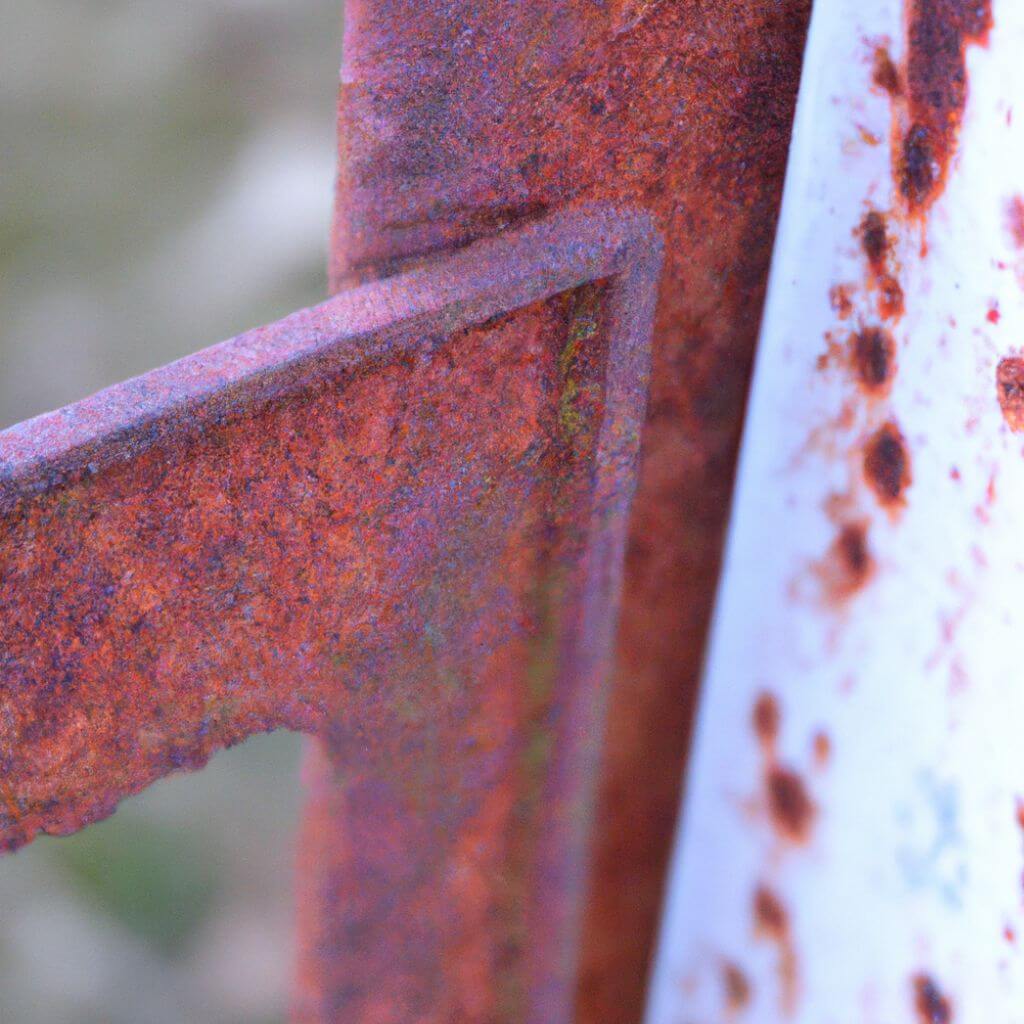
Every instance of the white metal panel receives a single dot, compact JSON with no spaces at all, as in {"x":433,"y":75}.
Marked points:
{"x":899,"y":684}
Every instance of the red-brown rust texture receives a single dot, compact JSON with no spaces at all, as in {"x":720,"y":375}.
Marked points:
{"x":930,"y":1005}
{"x":766,"y":720}
{"x":874,"y":239}
{"x":395,"y":521}
{"x":1010,"y":390}
{"x":887,"y":465}
{"x":455,"y":124}
{"x":873,"y":359}
{"x":849,"y":564}
{"x":1015,"y":220}
{"x":736,"y":986}
{"x":822,"y":749}
{"x":938,"y":34}
{"x":878,"y":246}
{"x":771,"y":922}
{"x":790,"y":807}
{"x":884,"y":72}
{"x":841,"y":300}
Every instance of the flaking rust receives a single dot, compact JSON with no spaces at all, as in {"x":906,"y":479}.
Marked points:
{"x":685,"y":109}
{"x":361,"y":522}
{"x":938,"y":35}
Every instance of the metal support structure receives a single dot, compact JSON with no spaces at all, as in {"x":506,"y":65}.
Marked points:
{"x":395,"y":521}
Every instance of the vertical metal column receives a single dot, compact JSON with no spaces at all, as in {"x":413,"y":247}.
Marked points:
{"x":457,"y":119}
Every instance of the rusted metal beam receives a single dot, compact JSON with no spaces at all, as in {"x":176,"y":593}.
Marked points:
{"x":459,"y":118}
{"x":396,"y":521}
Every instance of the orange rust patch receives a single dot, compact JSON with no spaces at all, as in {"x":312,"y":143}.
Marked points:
{"x":891,"y":301}
{"x":790,"y":807}
{"x":738,"y":990}
{"x":848,"y":565}
{"x":1015,"y":220}
{"x":769,"y":914}
{"x":766,"y":720}
{"x":887,"y":464}
{"x":822,"y":749}
{"x":874,"y":239}
{"x":13,"y":810}
{"x":931,"y":1006}
{"x":1010,"y":390}
{"x":771,"y":922}
{"x":792,"y":810}
{"x":884,"y":72}
{"x":873,"y":359}
{"x":841,"y":300}
{"x":938,"y":34}
{"x":876,"y":243}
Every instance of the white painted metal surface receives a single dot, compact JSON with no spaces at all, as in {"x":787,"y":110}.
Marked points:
{"x":896,"y":667}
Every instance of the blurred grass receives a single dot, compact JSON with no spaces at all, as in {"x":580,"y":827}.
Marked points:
{"x":139,"y":873}
{"x":165,"y":182}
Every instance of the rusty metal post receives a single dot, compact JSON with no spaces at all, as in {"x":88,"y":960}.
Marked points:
{"x":458,"y":119}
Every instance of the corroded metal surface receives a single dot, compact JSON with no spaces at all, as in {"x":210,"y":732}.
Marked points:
{"x":459,"y":118}
{"x":851,"y":843}
{"x":396,"y":521}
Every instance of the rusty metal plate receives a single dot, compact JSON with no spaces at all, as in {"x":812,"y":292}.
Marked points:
{"x":395,"y":521}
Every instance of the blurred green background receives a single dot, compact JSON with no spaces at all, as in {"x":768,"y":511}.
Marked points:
{"x":165,"y":182}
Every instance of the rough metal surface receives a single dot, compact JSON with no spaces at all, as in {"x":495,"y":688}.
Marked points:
{"x":458,"y":118}
{"x":396,"y":521}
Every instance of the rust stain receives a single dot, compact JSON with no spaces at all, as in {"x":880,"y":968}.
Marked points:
{"x":878,"y":249}
{"x":848,"y":564}
{"x":872,"y":355}
{"x":938,"y":35}
{"x":790,"y":807}
{"x":875,"y":241}
{"x":884,"y":72}
{"x":766,"y":720}
{"x":1010,"y":391}
{"x":822,"y":749}
{"x":1015,"y":220}
{"x":887,"y":465}
{"x":930,"y":1005}
{"x":680,"y":114}
{"x":771,"y":922}
{"x":983,"y":510}
{"x":840,"y":298}
{"x":737,"y":987}
{"x":891,"y":301}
